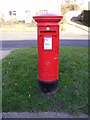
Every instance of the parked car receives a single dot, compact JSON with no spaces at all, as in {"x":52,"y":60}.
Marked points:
{"x":80,"y":17}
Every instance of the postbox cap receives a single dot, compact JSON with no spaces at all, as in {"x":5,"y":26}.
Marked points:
{"x":47,"y":18}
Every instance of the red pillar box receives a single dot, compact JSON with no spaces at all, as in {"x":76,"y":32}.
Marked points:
{"x":48,"y":51}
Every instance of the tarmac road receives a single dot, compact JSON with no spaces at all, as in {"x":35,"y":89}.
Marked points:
{"x":10,"y":45}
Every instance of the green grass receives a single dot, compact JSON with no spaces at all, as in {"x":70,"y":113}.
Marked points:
{"x":20,"y":79}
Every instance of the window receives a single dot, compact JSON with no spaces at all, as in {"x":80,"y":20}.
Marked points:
{"x":14,"y":12}
{"x":10,"y":12}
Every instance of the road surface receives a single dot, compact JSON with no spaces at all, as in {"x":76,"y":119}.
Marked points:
{"x":10,"y":45}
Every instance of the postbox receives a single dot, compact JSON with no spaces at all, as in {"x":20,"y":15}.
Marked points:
{"x":48,"y":52}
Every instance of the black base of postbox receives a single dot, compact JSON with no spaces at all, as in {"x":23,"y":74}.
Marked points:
{"x":48,"y":88}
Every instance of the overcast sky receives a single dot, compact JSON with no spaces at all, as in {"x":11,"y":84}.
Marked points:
{"x":34,"y":5}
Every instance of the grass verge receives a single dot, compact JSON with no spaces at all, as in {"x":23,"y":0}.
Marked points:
{"x":21,"y":28}
{"x":20,"y":79}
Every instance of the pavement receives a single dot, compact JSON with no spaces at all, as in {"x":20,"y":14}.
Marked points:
{"x":4,"y":53}
{"x":79,"y":25}
{"x":41,"y":115}
{"x":77,"y":35}
{"x":73,"y":33}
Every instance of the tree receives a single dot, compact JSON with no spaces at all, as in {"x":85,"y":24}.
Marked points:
{"x":41,"y":12}
{"x":68,"y":6}
{"x":68,"y":2}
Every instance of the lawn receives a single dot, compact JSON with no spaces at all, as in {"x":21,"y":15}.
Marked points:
{"x":20,"y":79}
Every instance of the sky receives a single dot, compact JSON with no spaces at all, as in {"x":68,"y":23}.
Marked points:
{"x":34,"y":5}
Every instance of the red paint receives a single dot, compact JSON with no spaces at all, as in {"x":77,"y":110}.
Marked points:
{"x":48,"y":60}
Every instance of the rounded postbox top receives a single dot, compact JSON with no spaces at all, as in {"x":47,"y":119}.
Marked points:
{"x":43,"y":18}
{"x":48,"y":14}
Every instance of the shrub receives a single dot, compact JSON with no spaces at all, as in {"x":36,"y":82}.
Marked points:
{"x":68,"y":7}
{"x":33,"y":24}
{"x":63,"y":20}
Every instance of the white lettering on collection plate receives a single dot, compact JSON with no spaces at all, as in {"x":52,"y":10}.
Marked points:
{"x":47,"y":43}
